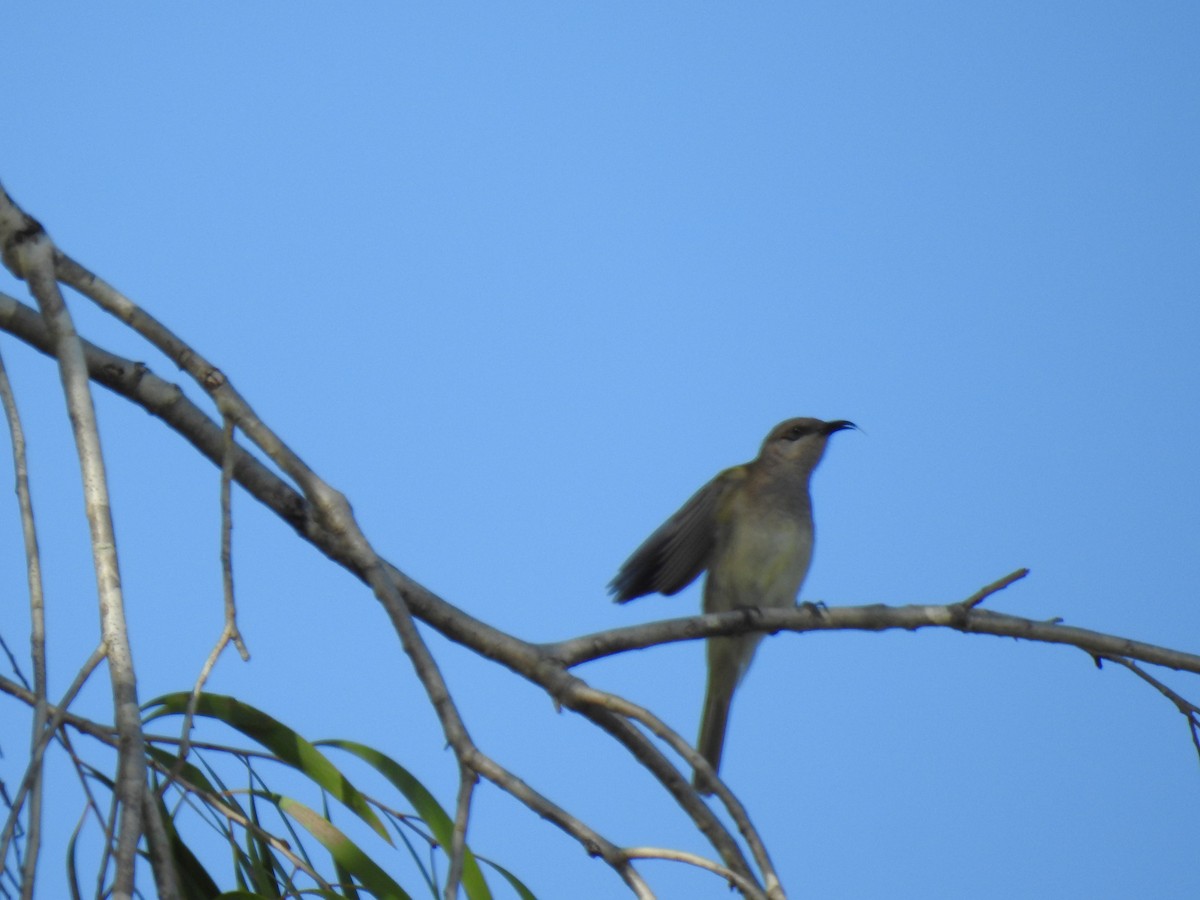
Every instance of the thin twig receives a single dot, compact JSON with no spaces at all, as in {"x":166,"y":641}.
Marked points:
{"x":1190,"y":711}
{"x":229,"y":631}
{"x":86,"y":774}
{"x":983,"y":593}
{"x":14,"y":662}
{"x":58,"y":714}
{"x":277,"y":844}
{"x":37,"y":631}
{"x":647,"y":753}
{"x":680,"y":745}
{"x":227,"y":461}
{"x":108,"y":735}
{"x":692,"y":859}
{"x":110,"y":836}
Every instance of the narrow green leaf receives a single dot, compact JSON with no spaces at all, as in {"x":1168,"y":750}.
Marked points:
{"x":259,"y":860}
{"x":196,"y":881}
{"x":345,"y":879}
{"x":72,"y":871}
{"x":516,"y":883}
{"x":428,"y":872}
{"x":345,"y":852}
{"x":285,"y":743}
{"x":427,"y":808}
{"x":189,"y":773}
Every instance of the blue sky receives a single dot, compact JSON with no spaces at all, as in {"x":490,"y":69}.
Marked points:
{"x":519,"y":278}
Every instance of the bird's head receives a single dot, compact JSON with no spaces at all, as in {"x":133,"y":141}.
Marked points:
{"x":800,"y":442}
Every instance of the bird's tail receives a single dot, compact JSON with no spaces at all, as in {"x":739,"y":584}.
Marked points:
{"x":724,"y":672}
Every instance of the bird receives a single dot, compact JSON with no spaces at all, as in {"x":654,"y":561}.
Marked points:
{"x":751,"y":527}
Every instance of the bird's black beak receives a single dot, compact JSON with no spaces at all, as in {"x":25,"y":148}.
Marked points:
{"x":839,"y":425}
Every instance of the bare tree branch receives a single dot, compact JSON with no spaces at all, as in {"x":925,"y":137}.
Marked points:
{"x":680,"y":745}
{"x":322,"y":515}
{"x":692,"y":859}
{"x":332,"y":513}
{"x":167,"y":402}
{"x":875,"y":617}
{"x":29,"y":254}
{"x":330,"y":505}
{"x":546,"y":663}
{"x":467,"y":779}
{"x":166,"y":879}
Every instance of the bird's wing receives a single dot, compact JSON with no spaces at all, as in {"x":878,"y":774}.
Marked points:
{"x":671,"y":558}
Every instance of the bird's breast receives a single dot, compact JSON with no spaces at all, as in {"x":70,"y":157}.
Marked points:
{"x":759,"y":561}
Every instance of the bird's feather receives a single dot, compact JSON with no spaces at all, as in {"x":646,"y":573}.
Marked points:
{"x":679,"y":550}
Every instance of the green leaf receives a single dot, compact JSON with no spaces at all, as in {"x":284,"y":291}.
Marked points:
{"x":427,"y":808}
{"x":196,"y":881}
{"x":285,"y":743}
{"x":345,"y":879}
{"x":188,"y":772}
{"x":516,"y":883}
{"x":72,"y":871}
{"x":258,"y":856}
{"x":346,"y":854}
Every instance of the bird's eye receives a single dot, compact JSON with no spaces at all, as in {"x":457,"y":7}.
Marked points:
{"x":796,"y":432}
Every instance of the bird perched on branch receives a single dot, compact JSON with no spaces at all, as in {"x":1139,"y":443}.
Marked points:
{"x":751,"y":527}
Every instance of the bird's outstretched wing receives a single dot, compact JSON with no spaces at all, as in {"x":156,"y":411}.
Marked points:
{"x":671,"y":558}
